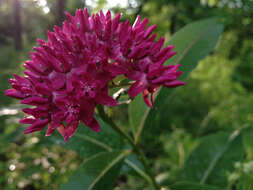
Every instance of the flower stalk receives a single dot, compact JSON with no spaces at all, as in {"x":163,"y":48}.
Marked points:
{"x":136,"y":149}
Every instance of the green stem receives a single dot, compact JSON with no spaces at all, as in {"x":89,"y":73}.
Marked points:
{"x":137,"y":150}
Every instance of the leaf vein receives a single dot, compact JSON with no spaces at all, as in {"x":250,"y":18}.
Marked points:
{"x":103,"y":172}
{"x":94,"y":141}
{"x":217,"y":157}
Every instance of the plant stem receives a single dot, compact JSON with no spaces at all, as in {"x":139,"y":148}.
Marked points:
{"x":136,"y":149}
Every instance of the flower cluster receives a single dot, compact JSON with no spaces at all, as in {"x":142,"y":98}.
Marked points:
{"x":69,"y":74}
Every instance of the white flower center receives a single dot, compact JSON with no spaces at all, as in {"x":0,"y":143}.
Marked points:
{"x":87,"y":88}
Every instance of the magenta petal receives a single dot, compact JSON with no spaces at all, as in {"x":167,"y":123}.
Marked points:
{"x":70,"y":130}
{"x":134,"y":75}
{"x":157,"y":46}
{"x":14,"y":93}
{"x":69,"y":84}
{"x":146,"y":98}
{"x":83,"y":16}
{"x":87,"y":111}
{"x":141,"y":26}
{"x":36,"y":112}
{"x":50,"y":130}
{"x":65,"y":131}
{"x":94,"y":125}
{"x":174,"y":84}
{"x":137,"y":21}
{"x":115,"y":21}
{"x":37,"y":126}
{"x":20,"y":80}
{"x":57,"y":80}
{"x":58,"y":117}
{"x":136,"y":88}
{"x":55,"y":63}
{"x":34,"y":101}
{"x":43,"y":89}
{"x":116,"y":69}
{"x":104,"y":99}
{"x":164,"y":79}
{"x":61,"y":130}
{"x":32,"y":75}
{"x":135,"y":52}
{"x":27,"y":120}
{"x":91,"y":93}
{"x":35,"y":66}
{"x":149,"y":31}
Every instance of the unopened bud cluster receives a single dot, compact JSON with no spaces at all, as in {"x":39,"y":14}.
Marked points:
{"x":69,"y":75}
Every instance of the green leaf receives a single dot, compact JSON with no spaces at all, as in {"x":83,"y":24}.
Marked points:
{"x":192,"y":186}
{"x":87,"y":142}
{"x":193,"y":42}
{"x":214,"y":157}
{"x":132,"y":165}
{"x":135,"y":111}
{"x":97,"y":172}
{"x":10,"y":134}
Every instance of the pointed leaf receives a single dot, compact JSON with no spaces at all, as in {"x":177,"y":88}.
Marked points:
{"x":97,"y":172}
{"x":193,"y":42}
{"x":135,"y":111}
{"x":215,"y":156}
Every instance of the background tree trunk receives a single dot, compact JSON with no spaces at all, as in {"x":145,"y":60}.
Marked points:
{"x":17,"y":25}
{"x":61,"y":7}
{"x":173,"y":23}
{"x":140,"y":7}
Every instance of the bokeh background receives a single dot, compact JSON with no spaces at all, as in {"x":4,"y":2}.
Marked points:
{"x":218,"y":95}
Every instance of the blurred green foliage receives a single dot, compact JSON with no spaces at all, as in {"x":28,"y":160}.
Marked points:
{"x":218,"y":95}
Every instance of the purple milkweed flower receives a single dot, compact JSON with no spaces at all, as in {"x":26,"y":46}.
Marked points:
{"x":69,"y":75}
